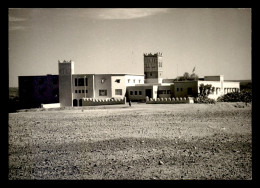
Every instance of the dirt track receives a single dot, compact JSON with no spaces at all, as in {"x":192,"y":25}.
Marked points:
{"x":182,"y":141}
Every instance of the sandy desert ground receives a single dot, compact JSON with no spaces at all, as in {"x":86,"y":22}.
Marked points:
{"x":147,"y":142}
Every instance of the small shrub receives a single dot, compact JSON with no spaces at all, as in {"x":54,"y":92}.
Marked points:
{"x":205,"y":100}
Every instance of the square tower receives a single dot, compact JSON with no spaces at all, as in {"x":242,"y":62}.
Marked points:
{"x":153,"y":64}
{"x":66,"y":69}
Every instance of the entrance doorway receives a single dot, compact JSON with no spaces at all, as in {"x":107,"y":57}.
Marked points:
{"x":75,"y":102}
{"x":148,"y":93}
{"x":80,"y":102}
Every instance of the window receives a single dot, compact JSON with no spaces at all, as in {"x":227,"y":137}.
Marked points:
{"x":86,"y":91}
{"x":181,"y":89}
{"x":79,"y":91}
{"x":76,"y":91}
{"x":139,"y":81}
{"x":140,"y":92}
{"x":86,"y":81}
{"x":151,"y":74}
{"x":81,"y":82}
{"x":102,"y":92}
{"x":118,"y":91}
{"x":117,"y":80}
{"x":131,"y":92}
{"x":128,"y":80}
{"x":189,"y":91}
{"x":76,"y":82}
{"x":177,"y":89}
{"x":161,"y":91}
{"x":135,"y":92}
{"x":168,"y":91}
{"x":102,"y":80}
{"x":134,"y":80}
{"x":83,"y":91}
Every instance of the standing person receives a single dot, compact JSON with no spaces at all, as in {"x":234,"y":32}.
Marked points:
{"x":130,"y":103}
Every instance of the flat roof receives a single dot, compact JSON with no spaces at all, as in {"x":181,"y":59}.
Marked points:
{"x":113,"y":74}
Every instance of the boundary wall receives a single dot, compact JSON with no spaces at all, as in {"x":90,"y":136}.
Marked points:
{"x":53,"y":105}
{"x":177,"y":100}
{"x":95,"y":102}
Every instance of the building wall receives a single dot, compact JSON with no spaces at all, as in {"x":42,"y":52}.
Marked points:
{"x":132,"y":80}
{"x":180,"y":89}
{"x":76,"y":88}
{"x":138,"y":93}
{"x":231,"y":87}
{"x":164,"y":92}
{"x":37,"y":90}
{"x":118,"y":83}
{"x":105,"y":85}
{"x":66,"y":69}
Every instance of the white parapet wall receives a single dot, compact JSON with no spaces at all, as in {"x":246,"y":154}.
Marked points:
{"x":177,"y":100}
{"x":53,"y":105}
{"x":95,"y":102}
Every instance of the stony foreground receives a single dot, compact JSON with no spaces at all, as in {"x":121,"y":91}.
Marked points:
{"x":183,"y":141}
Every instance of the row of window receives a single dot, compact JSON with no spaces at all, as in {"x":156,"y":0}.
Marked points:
{"x":134,"y":81}
{"x":101,"y":92}
{"x":153,"y":65}
{"x":179,"y":89}
{"x":164,"y":92}
{"x":81,"y":91}
{"x":135,"y":92}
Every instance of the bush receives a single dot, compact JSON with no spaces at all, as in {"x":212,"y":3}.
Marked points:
{"x":243,"y":96}
{"x":204,"y":99}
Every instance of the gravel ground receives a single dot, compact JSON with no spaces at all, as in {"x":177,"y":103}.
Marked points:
{"x":168,"y":142}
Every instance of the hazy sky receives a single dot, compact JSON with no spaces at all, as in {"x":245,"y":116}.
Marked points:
{"x":216,"y":41}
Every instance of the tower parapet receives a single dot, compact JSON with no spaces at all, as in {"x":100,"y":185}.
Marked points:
{"x":153,"y":55}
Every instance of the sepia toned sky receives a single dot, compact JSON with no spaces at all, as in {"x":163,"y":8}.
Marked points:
{"x":113,"y":40}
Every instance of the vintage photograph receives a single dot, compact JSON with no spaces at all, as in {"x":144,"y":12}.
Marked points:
{"x":130,"y":94}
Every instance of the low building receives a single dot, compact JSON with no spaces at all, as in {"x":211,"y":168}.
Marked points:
{"x":37,"y":90}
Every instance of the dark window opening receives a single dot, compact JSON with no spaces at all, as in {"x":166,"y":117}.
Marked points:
{"x":76,"y":82}
{"x":83,"y":91}
{"x":189,"y":90}
{"x":102,"y":92}
{"x":140,"y":92}
{"x":118,"y":91}
{"x":135,"y":92}
{"x":131,"y":92}
{"x":76,"y":91}
{"x":168,"y":91}
{"x":177,"y":89}
{"x":117,"y":80}
{"x":79,"y":91}
{"x":81,"y":82}
{"x":86,"y":81}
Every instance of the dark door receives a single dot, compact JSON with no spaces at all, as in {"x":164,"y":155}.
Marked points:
{"x":148,"y":93}
{"x":80,"y":102}
{"x":75,"y":102}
